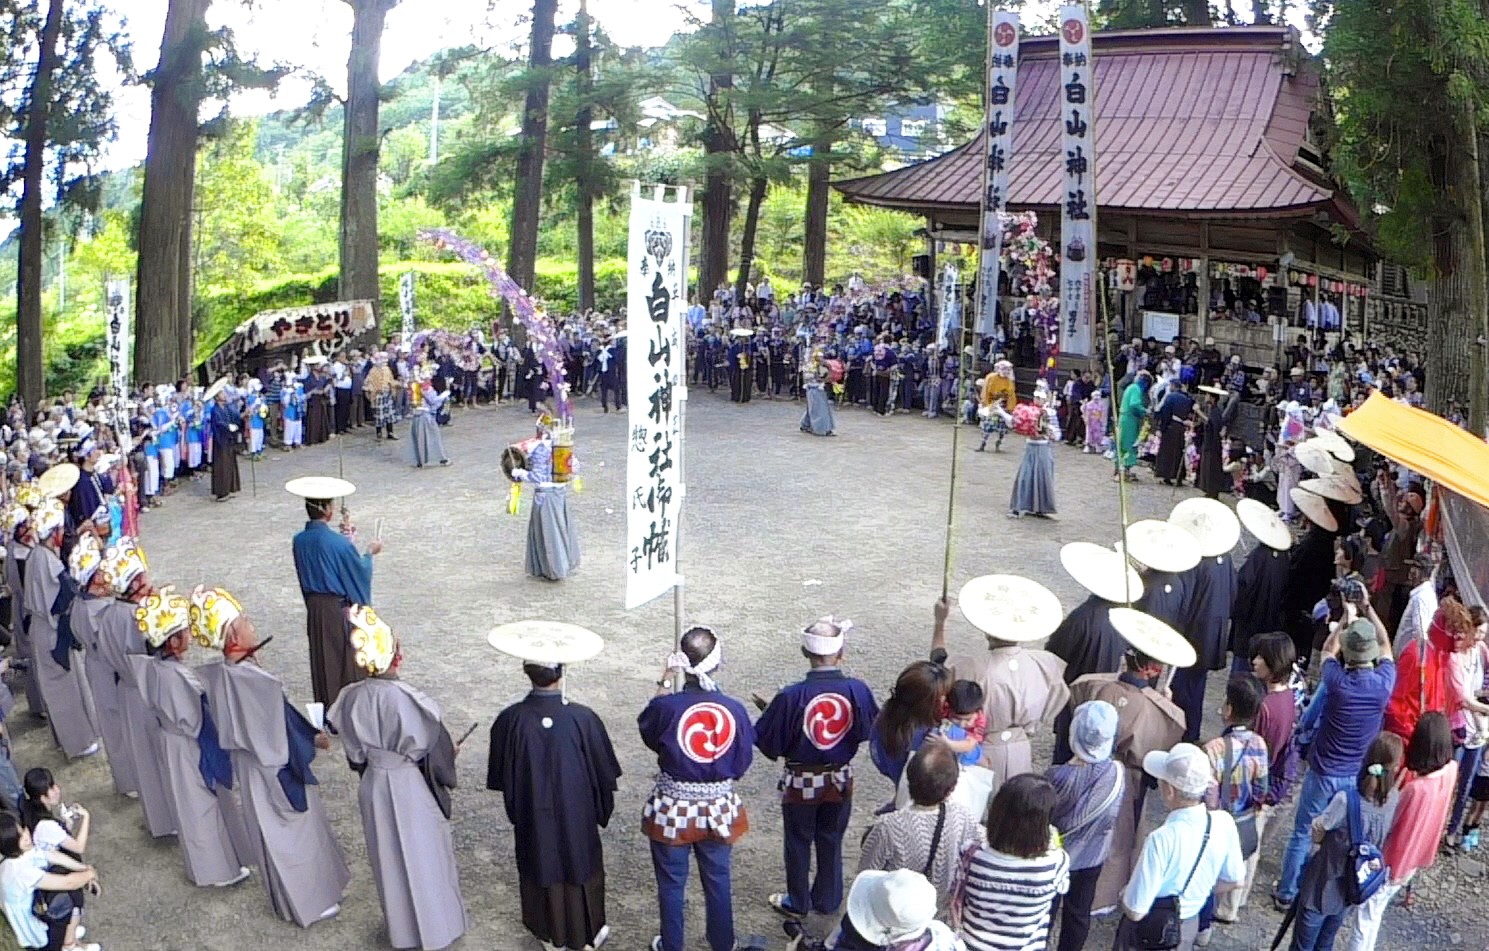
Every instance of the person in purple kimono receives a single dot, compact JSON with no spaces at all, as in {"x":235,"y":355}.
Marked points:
{"x":704,"y":742}
{"x":816,"y":726}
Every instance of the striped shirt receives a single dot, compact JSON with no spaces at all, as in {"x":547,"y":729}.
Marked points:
{"x":1006,"y":900}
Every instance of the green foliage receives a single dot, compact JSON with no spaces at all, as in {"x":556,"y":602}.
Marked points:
{"x":238,"y":228}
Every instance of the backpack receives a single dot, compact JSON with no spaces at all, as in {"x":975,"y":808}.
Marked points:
{"x":1365,"y":868}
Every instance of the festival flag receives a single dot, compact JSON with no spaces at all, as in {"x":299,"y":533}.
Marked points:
{"x":1077,"y":94}
{"x":1002,"y":76}
{"x":656,"y":304}
{"x":120,"y":352}
{"x":951,"y":304}
{"x":406,"y":304}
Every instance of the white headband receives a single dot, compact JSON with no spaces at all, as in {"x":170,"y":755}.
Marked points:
{"x":825,"y":645}
{"x":701,"y":670}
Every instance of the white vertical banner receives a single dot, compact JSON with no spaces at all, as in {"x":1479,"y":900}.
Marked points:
{"x":1002,"y":77}
{"x":951,"y":304}
{"x":406,"y":304}
{"x":1077,"y":94}
{"x":656,"y":305}
{"x":121,"y":355}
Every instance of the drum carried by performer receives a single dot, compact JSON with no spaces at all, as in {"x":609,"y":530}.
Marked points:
{"x":547,"y":461}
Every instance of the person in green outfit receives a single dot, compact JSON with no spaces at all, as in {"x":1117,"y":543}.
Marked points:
{"x":1134,"y":409}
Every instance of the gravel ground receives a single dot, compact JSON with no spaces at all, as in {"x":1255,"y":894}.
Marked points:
{"x":780,"y":529}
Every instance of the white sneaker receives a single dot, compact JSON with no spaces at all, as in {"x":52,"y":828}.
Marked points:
{"x":601,"y":937}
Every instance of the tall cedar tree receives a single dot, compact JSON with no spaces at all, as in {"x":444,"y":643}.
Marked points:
{"x":527,"y":199}
{"x":30,"y":373}
{"x":360,"y":145}
{"x":64,"y":122}
{"x":1407,"y":140}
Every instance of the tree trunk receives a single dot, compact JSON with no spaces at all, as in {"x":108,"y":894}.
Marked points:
{"x":718,"y":203}
{"x":819,"y":174}
{"x":1197,"y":13}
{"x":162,"y":297}
{"x":758,"y":186}
{"x":585,"y":144}
{"x":30,"y":367}
{"x":360,"y":143}
{"x":527,"y":201}
{"x":1260,"y":13}
{"x":1459,"y":298}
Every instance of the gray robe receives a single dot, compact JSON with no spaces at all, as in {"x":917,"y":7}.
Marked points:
{"x":15,"y":555}
{"x":174,"y":695}
{"x":304,"y":869}
{"x":86,"y":614}
{"x":387,"y":727}
{"x":69,"y":702}
{"x":119,"y":639}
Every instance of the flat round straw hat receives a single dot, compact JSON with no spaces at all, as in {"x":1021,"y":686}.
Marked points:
{"x":1100,"y":571}
{"x":1341,"y":487}
{"x":1153,"y":637}
{"x":1315,"y":459}
{"x":1315,"y":507}
{"x":546,"y":642}
{"x":1010,"y":607}
{"x":1160,"y":546}
{"x":1265,"y":524}
{"x":1211,"y":522}
{"x":1333,"y":444}
{"x":320,"y":487}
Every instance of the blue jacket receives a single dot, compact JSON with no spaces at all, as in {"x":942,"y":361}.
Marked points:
{"x":699,"y":736}
{"x":820,"y":721}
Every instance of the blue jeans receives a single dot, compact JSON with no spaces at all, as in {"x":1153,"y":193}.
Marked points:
{"x":1313,"y":798}
{"x":1315,"y":931}
{"x":1468,"y":768}
{"x":823,"y":825}
{"x":670,"y":862}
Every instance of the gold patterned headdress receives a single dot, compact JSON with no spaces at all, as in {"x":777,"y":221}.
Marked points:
{"x":29,"y":495}
{"x":212,"y":610}
{"x":372,"y":639}
{"x":14,"y":516}
{"x":48,"y":517}
{"x":123,"y":562}
{"x":163,"y":614}
{"x":86,"y":557}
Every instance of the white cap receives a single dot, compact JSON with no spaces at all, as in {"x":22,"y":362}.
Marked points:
{"x":886,"y":907}
{"x":1185,"y":767}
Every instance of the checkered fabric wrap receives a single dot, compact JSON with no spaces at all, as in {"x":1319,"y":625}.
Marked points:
{"x":383,"y":413}
{"x":811,"y":785}
{"x":681,"y":813}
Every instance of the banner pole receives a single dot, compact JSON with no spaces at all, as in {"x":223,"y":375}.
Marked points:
{"x":983,"y":294}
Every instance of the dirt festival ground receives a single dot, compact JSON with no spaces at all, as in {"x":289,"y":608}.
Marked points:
{"x":780,"y":528}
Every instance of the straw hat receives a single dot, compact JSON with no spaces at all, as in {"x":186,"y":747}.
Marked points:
{"x":1211,"y":522}
{"x":319,"y":487}
{"x":1212,"y":390}
{"x":1099,"y":570}
{"x":1265,"y":524}
{"x":1153,"y":637}
{"x":741,"y":332}
{"x":214,"y":389}
{"x":58,"y":479}
{"x":1315,"y":507}
{"x":546,"y":642}
{"x":1160,"y":546}
{"x":1341,"y":487}
{"x":1315,"y":459}
{"x":1334,"y":444}
{"x":1010,"y":608}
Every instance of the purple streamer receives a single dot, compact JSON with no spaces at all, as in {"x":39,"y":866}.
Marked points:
{"x":542,"y":336}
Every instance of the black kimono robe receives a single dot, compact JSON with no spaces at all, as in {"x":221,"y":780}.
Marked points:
{"x":557,"y":772}
{"x":1210,"y":593}
{"x":1258,"y":604}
